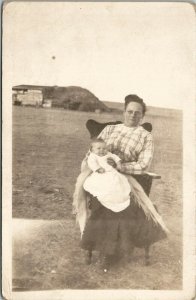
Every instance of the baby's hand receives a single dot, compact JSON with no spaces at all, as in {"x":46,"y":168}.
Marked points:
{"x":101,"y":170}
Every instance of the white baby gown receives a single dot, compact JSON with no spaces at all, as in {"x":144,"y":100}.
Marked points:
{"x":111,"y":188}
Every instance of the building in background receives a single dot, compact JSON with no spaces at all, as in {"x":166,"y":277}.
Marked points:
{"x":27,"y":95}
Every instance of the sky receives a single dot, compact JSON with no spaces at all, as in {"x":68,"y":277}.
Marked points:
{"x":112,"y":49}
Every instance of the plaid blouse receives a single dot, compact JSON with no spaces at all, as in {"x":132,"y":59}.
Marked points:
{"x":134,"y":145}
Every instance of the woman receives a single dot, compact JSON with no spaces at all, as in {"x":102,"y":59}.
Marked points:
{"x":139,"y":224}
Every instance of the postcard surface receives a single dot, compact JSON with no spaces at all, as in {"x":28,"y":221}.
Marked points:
{"x":98,"y":150}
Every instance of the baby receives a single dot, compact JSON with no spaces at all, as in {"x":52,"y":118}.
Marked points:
{"x":111,"y":188}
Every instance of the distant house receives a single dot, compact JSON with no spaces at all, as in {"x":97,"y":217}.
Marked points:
{"x":27,"y":95}
{"x":71,"y":97}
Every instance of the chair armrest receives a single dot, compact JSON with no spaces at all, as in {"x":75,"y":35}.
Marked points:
{"x":153,"y":175}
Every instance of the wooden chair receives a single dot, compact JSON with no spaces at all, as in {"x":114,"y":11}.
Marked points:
{"x":145,"y":179}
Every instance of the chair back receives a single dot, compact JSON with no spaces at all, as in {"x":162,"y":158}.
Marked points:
{"x":95,"y":127}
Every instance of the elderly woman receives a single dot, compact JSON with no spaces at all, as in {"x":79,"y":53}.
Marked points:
{"x":138,"y":225}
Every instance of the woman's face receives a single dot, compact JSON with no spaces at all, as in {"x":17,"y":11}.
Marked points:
{"x":133,"y":114}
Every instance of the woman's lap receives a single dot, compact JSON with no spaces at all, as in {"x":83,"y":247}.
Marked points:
{"x":107,"y":231}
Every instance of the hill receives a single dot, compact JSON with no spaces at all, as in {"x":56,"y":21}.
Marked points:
{"x":151,"y":110}
{"x":71,"y":97}
{"x":75,"y":98}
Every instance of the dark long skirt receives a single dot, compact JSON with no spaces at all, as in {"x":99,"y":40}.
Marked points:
{"x":108,"y":232}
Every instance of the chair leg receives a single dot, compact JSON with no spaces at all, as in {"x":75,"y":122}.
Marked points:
{"x":88,"y":257}
{"x":132,"y":250}
{"x":106,"y":262}
{"x":130,"y":255}
{"x":147,"y":255}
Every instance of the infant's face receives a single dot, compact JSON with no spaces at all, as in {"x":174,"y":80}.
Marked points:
{"x":99,"y":149}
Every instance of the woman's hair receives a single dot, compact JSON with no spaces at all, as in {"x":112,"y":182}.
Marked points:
{"x":95,"y":141}
{"x":135,"y":98}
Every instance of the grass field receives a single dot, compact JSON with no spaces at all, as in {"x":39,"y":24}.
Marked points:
{"x":48,"y":146}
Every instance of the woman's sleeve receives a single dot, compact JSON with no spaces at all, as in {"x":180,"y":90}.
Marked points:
{"x":144,"y":158}
{"x":92,"y":163}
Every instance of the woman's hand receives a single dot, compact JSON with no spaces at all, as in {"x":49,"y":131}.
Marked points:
{"x":111,"y":162}
{"x":119,"y":166}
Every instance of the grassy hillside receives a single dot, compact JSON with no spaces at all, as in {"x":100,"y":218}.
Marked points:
{"x":74,"y":97}
{"x":151,"y":110}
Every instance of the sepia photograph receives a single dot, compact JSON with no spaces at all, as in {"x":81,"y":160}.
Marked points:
{"x":98,"y":150}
